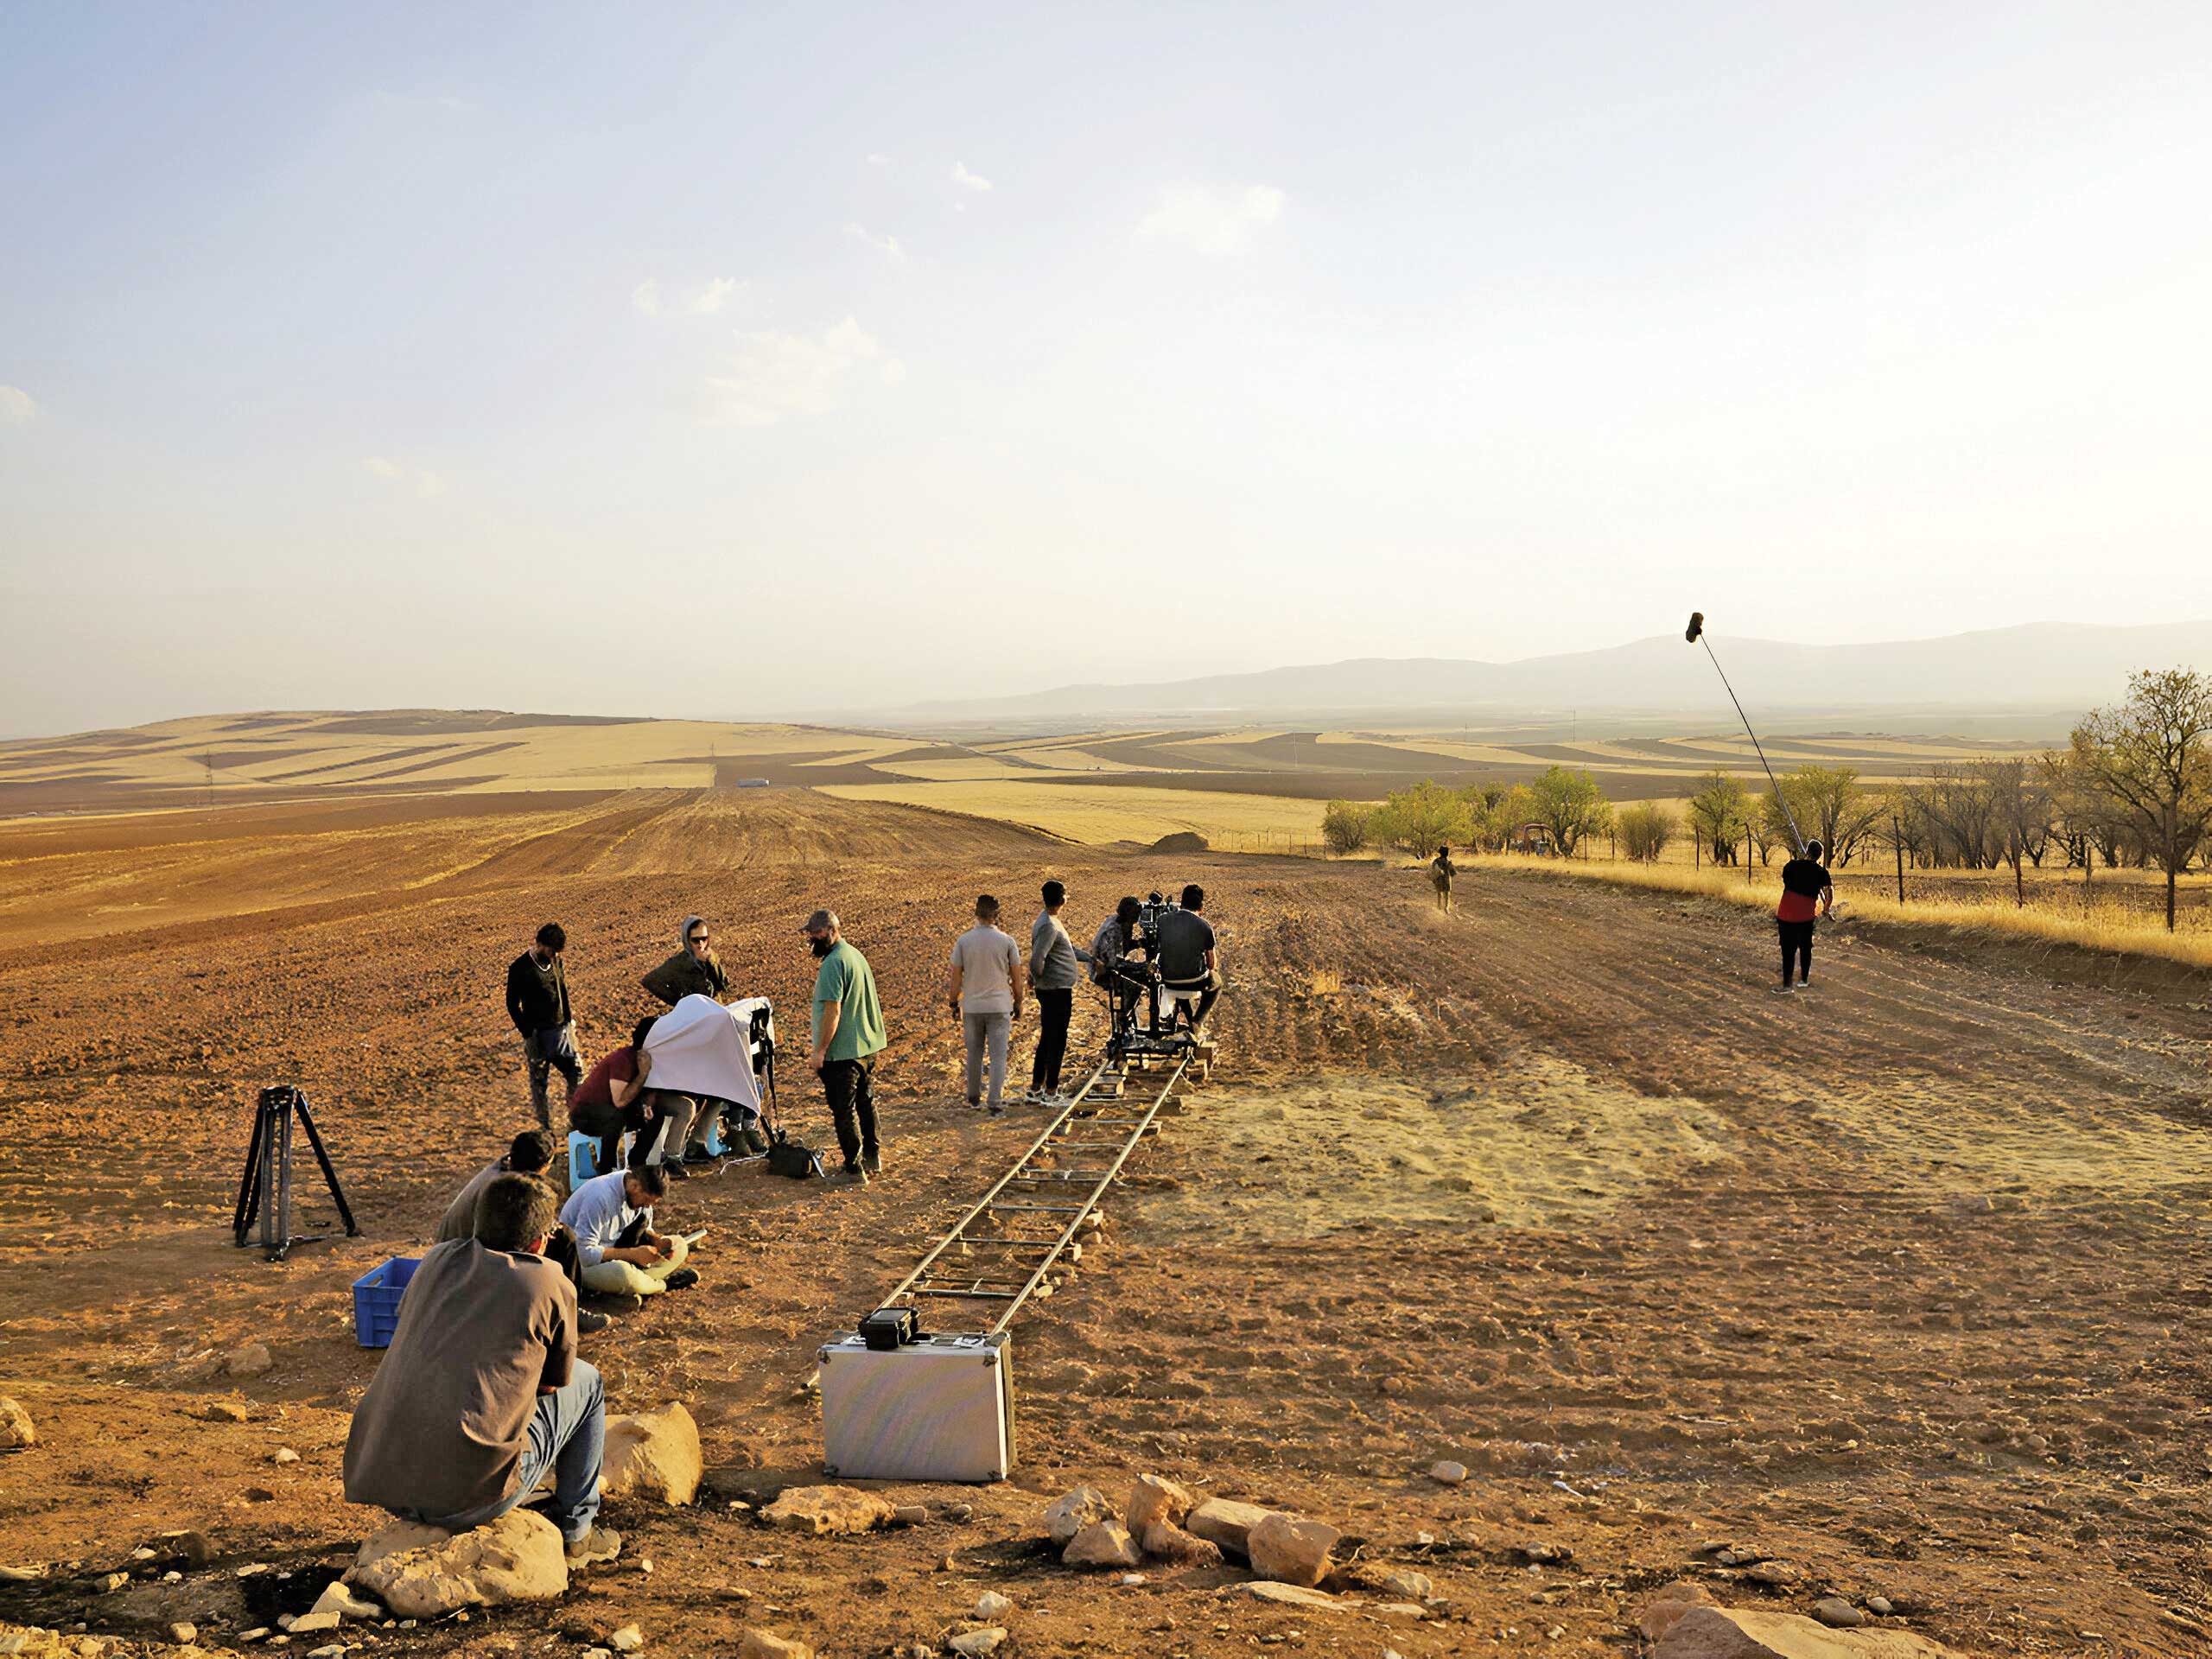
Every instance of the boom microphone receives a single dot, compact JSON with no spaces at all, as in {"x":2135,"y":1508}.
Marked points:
{"x":1694,"y":634}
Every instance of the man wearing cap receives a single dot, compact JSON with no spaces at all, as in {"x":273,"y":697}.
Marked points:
{"x":848,"y":1036}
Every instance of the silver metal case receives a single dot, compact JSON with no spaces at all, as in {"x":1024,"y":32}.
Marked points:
{"x":940,"y":1409}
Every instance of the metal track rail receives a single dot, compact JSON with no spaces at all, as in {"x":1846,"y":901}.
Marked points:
{"x":1038,"y":1192}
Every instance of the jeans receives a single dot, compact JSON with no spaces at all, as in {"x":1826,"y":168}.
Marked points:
{"x":546,"y":1051}
{"x":1796,"y":941}
{"x":985,"y":1031}
{"x":849,"y":1085}
{"x":567,"y":1433}
{"x":1053,"y":1010}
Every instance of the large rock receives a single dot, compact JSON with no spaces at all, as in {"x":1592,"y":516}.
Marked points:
{"x":654,"y":1454}
{"x":1166,"y":1542}
{"x":15,"y":1425}
{"x":1290,"y":1551}
{"x":252,"y":1360}
{"x":763,"y":1644}
{"x":426,"y":1571}
{"x":1669,"y":1603}
{"x":1155,"y":1499}
{"x":1222,"y":1521}
{"x":1102,"y":1543}
{"x":1071,"y":1512}
{"x":1743,"y":1633}
{"x":821,"y":1509}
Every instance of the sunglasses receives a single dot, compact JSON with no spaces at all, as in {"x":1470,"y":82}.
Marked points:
{"x":696,"y":938}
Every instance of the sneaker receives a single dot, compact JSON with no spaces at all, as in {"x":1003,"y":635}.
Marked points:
{"x":595,"y":1546}
{"x":590,"y":1319}
{"x":699,"y":1155}
{"x":997,"y":1108}
{"x":857,"y":1174}
{"x":682,"y":1279}
{"x":975,"y":1103}
{"x":872,"y":1162}
{"x":1783,"y":990}
{"x":675,"y":1172}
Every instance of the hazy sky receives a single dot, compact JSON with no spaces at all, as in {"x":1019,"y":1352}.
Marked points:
{"x":725,"y":359}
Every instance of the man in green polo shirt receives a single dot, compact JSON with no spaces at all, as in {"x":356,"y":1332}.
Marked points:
{"x":848,"y":1036}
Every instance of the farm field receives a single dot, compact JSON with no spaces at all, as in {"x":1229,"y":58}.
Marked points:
{"x":1892,"y":1283}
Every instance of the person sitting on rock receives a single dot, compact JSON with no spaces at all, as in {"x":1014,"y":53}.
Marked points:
{"x":481,"y":1392}
{"x":612,"y":1217}
{"x":528,"y":1155}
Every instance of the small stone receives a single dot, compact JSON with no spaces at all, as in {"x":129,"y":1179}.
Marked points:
{"x":184,"y":1635}
{"x":992,"y":1605}
{"x":1294,"y":1595}
{"x":255,"y":1634}
{"x":1071,"y":1512}
{"x":973,"y":1644}
{"x":628,"y":1639}
{"x":308,"y":1624}
{"x":1880,"y":1606}
{"x":22,"y":1574}
{"x":763,"y":1644}
{"x":252,"y":1360}
{"x":1130,"y":1581}
{"x":108,"y":1583}
{"x":283,"y":1454}
{"x":646,"y":1567}
{"x":15,"y":1428}
{"x":1102,"y":1543}
{"x":1447,"y":1473}
{"x":337,"y":1597}
{"x":173,"y":1577}
{"x":1155,"y":1499}
{"x":332,"y":1651}
{"x":141,"y":1554}
{"x":820,"y":1510}
{"x":910,"y":1515}
{"x":1409,"y":1586}
{"x":1166,"y":1542}
{"x":1837,"y":1613}
{"x":1540,"y":1554}
{"x":190,"y":1548}
{"x":1292,"y":1551}
{"x":1776,"y":1575}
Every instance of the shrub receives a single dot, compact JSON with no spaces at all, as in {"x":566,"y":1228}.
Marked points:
{"x":1346,"y":825}
{"x":1645,"y":828}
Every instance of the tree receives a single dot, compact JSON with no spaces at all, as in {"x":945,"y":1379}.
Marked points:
{"x":1717,"y":813}
{"x":2020,"y":806}
{"x":1831,"y":808}
{"x":1569,"y":803}
{"x":1420,"y":819}
{"x":1346,"y":826}
{"x":1510,"y":809}
{"x":1646,"y":828}
{"x":2152,"y":757}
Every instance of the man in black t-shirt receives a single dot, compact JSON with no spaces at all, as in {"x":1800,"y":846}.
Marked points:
{"x":1189,"y":968}
{"x":538,"y":1002}
{"x":1807,"y":891}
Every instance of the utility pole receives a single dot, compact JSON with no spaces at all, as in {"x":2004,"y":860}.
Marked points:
{"x":1897,"y":840}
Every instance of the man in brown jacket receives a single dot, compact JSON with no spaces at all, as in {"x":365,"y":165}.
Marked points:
{"x":481,"y":1390}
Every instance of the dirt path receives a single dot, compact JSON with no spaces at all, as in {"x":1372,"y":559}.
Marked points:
{"x":1895,"y":1279}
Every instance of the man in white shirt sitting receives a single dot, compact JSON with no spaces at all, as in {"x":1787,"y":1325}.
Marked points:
{"x":612,"y":1217}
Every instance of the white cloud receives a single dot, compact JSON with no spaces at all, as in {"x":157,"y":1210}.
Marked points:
{"x":1213,"y":222}
{"x":877,"y":158}
{"x":17,"y":407}
{"x":894,"y":373}
{"x":425,"y":483}
{"x":775,"y":375}
{"x":705,"y":301}
{"x":886,"y":245}
{"x":968,"y":181}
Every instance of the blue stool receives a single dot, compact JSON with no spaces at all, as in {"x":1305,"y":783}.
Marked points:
{"x":583,"y":1158}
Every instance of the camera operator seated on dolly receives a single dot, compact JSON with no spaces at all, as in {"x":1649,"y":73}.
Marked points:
{"x":1169,"y":938}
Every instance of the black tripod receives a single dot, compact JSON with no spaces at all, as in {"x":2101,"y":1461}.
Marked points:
{"x":265,"y":1191}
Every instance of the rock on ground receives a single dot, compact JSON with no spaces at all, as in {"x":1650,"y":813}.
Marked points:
{"x":765,"y":1644}
{"x":1294,"y":1595}
{"x":1447,"y":1473}
{"x":1155,"y":1499}
{"x":223,"y":1411}
{"x":1222,"y":1521}
{"x":15,"y":1425}
{"x":1290,"y":1550}
{"x":973,"y":1644}
{"x":1102,"y":1543}
{"x":1743,"y":1633}
{"x":1166,"y":1542}
{"x":1071,"y":1512}
{"x":654,"y":1454}
{"x":1669,"y":1603}
{"x":821,"y":1509}
{"x":628,"y":1639}
{"x":1837,"y":1613}
{"x":338,"y":1597}
{"x":252,"y":1360}
{"x":426,"y":1572}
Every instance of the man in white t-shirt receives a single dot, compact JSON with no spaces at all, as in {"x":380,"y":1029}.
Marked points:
{"x":985,"y":995}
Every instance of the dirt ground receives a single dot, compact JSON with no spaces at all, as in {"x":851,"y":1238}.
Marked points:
{"x":1895,"y":1280}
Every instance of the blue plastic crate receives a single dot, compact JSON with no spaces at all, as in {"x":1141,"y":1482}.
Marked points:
{"x":376,"y":1300}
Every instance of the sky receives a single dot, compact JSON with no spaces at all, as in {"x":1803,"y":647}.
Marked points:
{"x":744,"y":360}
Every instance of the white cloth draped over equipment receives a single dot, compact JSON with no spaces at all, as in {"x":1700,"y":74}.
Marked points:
{"x":701,"y":1047}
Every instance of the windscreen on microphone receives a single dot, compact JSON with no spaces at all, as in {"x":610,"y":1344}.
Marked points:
{"x":1696,"y":628}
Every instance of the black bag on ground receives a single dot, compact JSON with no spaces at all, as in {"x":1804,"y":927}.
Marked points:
{"x":786,"y":1156}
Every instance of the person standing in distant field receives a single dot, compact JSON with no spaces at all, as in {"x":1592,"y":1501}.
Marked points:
{"x":848,"y":1036}
{"x":985,"y":994}
{"x":693,"y":970}
{"x":1440,"y":871}
{"x":538,"y":1002}
{"x":1190,"y":966}
{"x":1805,"y":882}
{"x":1052,"y":975}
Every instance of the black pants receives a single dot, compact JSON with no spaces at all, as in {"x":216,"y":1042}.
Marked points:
{"x":1054,"y":1009}
{"x":1797,"y":945}
{"x":850,"y":1086}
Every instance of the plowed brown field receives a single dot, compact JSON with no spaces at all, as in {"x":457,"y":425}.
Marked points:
{"x":1896,"y":1281}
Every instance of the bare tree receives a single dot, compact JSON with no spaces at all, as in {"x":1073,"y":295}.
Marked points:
{"x":2152,"y":757}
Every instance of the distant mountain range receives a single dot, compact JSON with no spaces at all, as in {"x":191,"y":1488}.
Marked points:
{"x":2041,"y":667}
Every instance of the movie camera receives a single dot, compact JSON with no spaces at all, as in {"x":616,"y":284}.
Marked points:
{"x":1136,"y":1026}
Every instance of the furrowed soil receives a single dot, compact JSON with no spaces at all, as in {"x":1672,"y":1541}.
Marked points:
{"x":1896,"y":1281}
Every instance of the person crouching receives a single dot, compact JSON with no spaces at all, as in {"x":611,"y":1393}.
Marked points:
{"x":612,"y":1217}
{"x":481,"y":1392}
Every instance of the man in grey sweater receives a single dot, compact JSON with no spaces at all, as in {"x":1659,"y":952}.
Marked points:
{"x":1052,"y":973}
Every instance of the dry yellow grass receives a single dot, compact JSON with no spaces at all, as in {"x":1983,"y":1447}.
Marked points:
{"x":1110,"y":813}
{"x":2121,"y":933}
